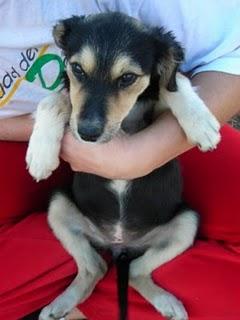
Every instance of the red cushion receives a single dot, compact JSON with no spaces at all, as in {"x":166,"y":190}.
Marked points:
{"x":19,"y":193}
{"x":36,"y":269}
{"x":211,"y":186}
{"x":206,"y":279}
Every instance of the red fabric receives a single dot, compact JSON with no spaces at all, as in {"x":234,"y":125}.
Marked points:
{"x":211,"y":183}
{"x":206,"y":279}
{"x":19,"y":193}
{"x":35,"y":268}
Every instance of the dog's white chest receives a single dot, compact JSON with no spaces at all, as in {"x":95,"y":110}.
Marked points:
{"x":119,"y":188}
{"x":118,"y":234}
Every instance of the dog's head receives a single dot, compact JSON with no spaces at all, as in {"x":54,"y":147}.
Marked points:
{"x":111,"y":61}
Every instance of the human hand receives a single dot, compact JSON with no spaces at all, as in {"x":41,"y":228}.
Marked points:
{"x":137,"y":155}
{"x":127,"y":157}
{"x":114,"y":159}
{"x":76,"y":314}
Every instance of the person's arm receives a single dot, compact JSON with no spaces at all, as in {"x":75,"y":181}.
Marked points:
{"x":16,"y":128}
{"x":139,"y":154}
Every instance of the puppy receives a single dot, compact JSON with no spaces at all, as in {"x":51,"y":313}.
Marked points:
{"x":120,"y":74}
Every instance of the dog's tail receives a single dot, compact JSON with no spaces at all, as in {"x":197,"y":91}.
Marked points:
{"x":122,"y":262}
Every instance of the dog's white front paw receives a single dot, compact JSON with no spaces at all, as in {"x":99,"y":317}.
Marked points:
{"x":170,"y":307}
{"x":202,"y":129}
{"x":42,"y":156}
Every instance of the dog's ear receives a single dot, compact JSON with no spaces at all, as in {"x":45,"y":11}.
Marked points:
{"x":63,"y":28}
{"x":169,"y":55}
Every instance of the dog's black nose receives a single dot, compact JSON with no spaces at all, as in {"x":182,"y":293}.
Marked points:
{"x":88,"y":131}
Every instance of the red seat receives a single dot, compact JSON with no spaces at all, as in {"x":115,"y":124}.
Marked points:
{"x":35,"y":268}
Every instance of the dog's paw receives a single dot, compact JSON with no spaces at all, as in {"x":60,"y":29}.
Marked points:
{"x":170,"y":307}
{"x":202,"y":129}
{"x":53,"y":311}
{"x":42,"y":157}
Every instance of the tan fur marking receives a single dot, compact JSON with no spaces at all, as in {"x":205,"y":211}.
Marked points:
{"x":119,"y":107}
{"x":86,"y":58}
{"x":77,"y":97}
{"x":58,"y":32}
{"x":122,"y":65}
{"x":166,"y":67}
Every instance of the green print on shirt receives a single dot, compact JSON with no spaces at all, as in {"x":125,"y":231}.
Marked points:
{"x":30,"y":67}
{"x":36,"y":70}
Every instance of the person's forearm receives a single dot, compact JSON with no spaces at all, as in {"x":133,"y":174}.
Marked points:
{"x":165,"y":140}
{"x":16,"y":128}
{"x":221,"y":93}
{"x":137,"y":155}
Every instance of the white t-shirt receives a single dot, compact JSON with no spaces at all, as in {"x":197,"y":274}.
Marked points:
{"x":30,"y":64}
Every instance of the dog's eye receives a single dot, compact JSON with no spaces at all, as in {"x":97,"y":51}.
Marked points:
{"x":126,"y":80}
{"x":78,"y":71}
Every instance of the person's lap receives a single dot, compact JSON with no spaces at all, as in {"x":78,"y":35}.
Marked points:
{"x":36,"y":268}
